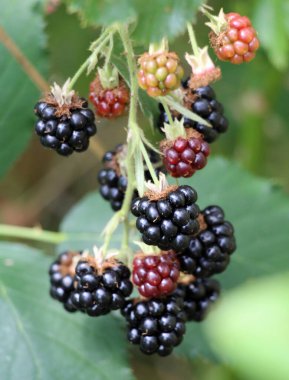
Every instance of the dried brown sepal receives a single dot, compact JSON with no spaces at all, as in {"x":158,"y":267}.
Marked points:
{"x":155,"y":196}
{"x":217,"y":40}
{"x":186,"y":279}
{"x":64,"y":109}
{"x":67,"y":265}
{"x":202,"y":223}
{"x":205,"y":79}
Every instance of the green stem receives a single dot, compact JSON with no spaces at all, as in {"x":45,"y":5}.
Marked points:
{"x":7,"y":231}
{"x":99,"y":43}
{"x":193,"y":39}
{"x":149,"y":164}
{"x":168,"y":112}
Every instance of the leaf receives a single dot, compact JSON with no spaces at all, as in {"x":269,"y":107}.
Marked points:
{"x":271,"y":22}
{"x":42,"y":340}
{"x":153,"y":19}
{"x":258,"y":210}
{"x":252,"y":334}
{"x":25,"y":28}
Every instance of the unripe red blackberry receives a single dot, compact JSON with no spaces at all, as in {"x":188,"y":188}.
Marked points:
{"x":184,"y":155}
{"x":100,"y":290}
{"x":167,"y":219}
{"x":65,"y":127}
{"x":209,"y":251}
{"x":233,"y":38}
{"x":62,"y":274}
{"x":113,"y":182}
{"x":159,"y":73}
{"x":109,"y":102}
{"x":198,"y":295}
{"x":155,"y":275}
{"x":204,"y":103}
{"x":155,"y":325}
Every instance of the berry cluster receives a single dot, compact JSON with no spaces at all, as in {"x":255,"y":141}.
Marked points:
{"x":160,"y":73}
{"x":209,"y":252}
{"x":203,"y":102}
{"x":169,"y":221}
{"x":238,"y":43}
{"x":156,"y":325}
{"x":81,"y":284}
{"x":64,"y":133}
{"x":156,"y":275}
{"x":183,"y":156}
{"x":108,"y":102}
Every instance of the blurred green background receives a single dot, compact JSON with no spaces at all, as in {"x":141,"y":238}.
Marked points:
{"x":41,"y":187}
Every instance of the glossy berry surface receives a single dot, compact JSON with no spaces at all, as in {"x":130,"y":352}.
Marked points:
{"x":209,"y":252}
{"x":185,"y":156}
{"x":159,"y":73}
{"x":239,"y":42}
{"x":113,"y":184}
{"x":207,"y":106}
{"x":169,"y":222}
{"x":198,"y":297}
{"x":156,"y":275}
{"x":156,"y":325}
{"x":99,"y":293}
{"x":64,"y":134}
{"x":109,"y":103}
{"x":61,"y":275}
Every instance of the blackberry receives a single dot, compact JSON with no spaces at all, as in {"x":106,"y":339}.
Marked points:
{"x":206,"y":105}
{"x":156,"y":325}
{"x":64,"y":132}
{"x":209,"y":252}
{"x":100,"y":291}
{"x":156,"y":275}
{"x":113,"y":183}
{"x":62,"y":274}
{"x":169,"y":221}
{"x":199,"y":296}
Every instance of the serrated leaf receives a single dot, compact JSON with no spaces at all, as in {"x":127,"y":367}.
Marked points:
{"x":271,"y":22}
{"x":40,"y":340}
{"x":25,"y":28}
{"x":153,"y":19}
{"x":252,"y":334}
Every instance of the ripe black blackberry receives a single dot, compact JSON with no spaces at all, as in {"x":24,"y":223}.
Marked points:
{"x":170,"y":220}
{"x":67,"y":131}
{"x":100,"y":290}
{"x":209,"y":252}
{"x":113,"y":183}
{"x":62,"y":275}
{"x":156,"y":325}
{"x":204,"y":104}
{"x":199,"y":295}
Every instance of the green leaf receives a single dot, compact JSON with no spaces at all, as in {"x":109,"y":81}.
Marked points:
{"x":23,"y":23}
{"x":252,"y":334}
{"x":154,"y":19}
{"x":271,"y":22}
{"x":258,"y":210}
{"x":40,"y":340}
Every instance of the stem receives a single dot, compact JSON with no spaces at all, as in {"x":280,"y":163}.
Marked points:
{"x":32,"y":234}
{"x":99,"y":43}
{"x":168,"y":112}
{"x":149,"y":164}
{"x":193,"y":39}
